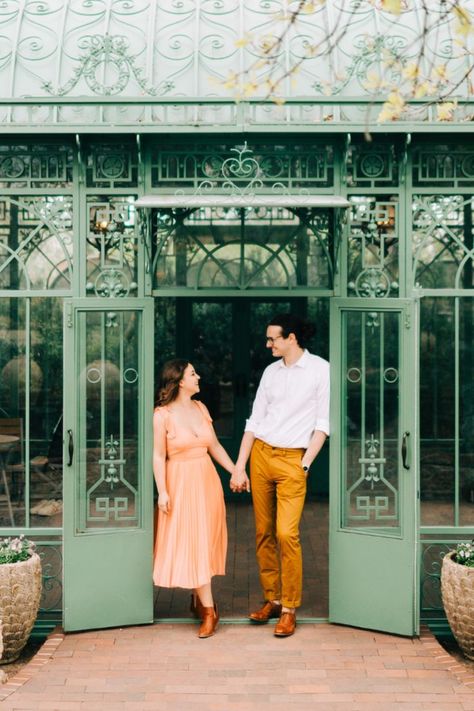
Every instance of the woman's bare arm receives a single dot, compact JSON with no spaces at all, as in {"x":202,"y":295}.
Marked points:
{"x":159,"y":460}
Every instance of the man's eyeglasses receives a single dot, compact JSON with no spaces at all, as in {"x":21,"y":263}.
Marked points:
{"x":271,"y":340}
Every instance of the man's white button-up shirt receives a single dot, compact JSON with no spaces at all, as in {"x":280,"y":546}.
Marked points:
{"x":291,"y":402}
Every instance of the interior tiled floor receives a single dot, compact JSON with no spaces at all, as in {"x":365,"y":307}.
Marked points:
{"x":239,"y":591}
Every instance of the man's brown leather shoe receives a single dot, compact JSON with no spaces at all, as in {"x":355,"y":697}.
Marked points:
{"x":286,"y":625}
{"x":269,"y":610}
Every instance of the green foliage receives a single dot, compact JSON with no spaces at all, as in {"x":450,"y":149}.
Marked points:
{"x":465,"y":554}
{"x":15,"y":550}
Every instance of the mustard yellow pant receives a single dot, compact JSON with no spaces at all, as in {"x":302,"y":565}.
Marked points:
{"x":278,"y":485}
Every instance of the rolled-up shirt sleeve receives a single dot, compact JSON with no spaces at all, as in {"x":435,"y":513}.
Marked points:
{"x":259,"y":409}
{"x":322,"y":414}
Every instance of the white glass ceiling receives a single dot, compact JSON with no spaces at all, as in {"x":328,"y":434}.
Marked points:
{"x":141,"y":50}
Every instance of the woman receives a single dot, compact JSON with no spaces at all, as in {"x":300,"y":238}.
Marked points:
{"x":191,"y":540}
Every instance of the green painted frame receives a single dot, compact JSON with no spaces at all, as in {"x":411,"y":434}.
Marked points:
{"x":354,"y":551}
{"x":106,"y":567}
{"x":394,"y":133}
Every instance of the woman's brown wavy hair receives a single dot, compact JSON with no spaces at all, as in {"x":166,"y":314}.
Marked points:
{"x":170,"y":377}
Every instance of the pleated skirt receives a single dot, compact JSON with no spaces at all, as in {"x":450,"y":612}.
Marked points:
{"x":191,"y":540}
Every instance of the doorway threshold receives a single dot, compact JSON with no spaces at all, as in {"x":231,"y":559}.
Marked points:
{"x":233,"y":621}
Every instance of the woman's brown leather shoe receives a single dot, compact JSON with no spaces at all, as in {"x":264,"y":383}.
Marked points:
{"x":286,"y":625}
{"x":196,"y":606}
{"x":269,"y":610}
{"x":210,"y":620}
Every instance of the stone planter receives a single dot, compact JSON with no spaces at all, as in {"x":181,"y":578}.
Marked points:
{"x":457,"y":591}
{"x":20,"y":593}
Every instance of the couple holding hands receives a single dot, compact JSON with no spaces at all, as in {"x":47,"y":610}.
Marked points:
{"x":284,"y":434}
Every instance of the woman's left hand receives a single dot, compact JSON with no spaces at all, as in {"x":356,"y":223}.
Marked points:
{"x":164,"y":502}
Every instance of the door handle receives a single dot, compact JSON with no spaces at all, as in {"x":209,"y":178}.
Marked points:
{"x":405,"y":450}
{"x":70,"y":447}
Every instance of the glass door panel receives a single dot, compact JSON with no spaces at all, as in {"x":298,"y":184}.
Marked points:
{"x":371,"y":427}
{"x":108,"y":482}
{"x":108,"y":492}
{"x":373,"y":476}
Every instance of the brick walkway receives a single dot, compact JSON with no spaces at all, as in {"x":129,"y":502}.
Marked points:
{"x":243,"y":668}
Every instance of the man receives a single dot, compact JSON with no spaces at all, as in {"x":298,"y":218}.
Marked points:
{"x":283,"y":436}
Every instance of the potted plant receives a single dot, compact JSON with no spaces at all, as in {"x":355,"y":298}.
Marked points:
{"x":457,"y":591}
{"x":20,"y":593}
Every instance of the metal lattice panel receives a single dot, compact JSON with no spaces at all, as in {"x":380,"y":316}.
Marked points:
{"x":373,"y":252}
{"x":443,"y":241}
{"x":66,"y":49}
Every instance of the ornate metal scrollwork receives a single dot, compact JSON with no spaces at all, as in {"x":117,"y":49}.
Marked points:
{"x":113,"y":282}
{"x":112,"y":52}
{"x":373,"y":248}
{"x":371,"y":282}
{"x":371,"y":461}
{"x":110,"y":462}
{"x":52,"y":571}
{"x":442,"y":255}
{"x":42,"y":256}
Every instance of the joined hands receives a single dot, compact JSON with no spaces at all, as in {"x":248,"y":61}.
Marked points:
{"x":239,"y":480}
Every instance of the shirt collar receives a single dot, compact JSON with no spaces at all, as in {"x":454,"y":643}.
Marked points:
{"x":300,"y":363}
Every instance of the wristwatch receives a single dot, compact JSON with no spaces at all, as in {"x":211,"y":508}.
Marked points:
{"x":305,"y":468}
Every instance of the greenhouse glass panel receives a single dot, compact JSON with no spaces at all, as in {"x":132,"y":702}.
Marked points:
{"x":437,"y":411}
{"x":447,"y":412}
{"x":14,"y":386}
{"x":46,"y":412}
{"x":36,"y":243}
{"x":443,"y":241}
{"x":243,"y":248}
{"x":465,"y":372}
{"x":36,"y":165}
{"x":373,"y":251}
{"x":371,"y":423}
{"x":111,"y":247}
{"x":31,"y":403}
{"x":108,"y":495}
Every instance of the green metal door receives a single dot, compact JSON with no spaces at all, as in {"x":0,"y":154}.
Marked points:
{"x":108,"y":494}
{"x":373,"y":479}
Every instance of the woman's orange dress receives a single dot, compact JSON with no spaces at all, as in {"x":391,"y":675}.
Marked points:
{"x":191,"y":540}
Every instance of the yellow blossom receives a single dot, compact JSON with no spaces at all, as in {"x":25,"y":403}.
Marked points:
{"x":249,"y":88}
{"x":440,"y":71}
{"x":373,"y":81}
{"x":243,"y":41}
{"x":231,"y":81}
{"x":393,"y":6}
{"x":445,"y":111}
{"x":421,"y":90}
{"x":464,"y":24}
{"x":392,"y":108}
{"x":411,"y":71}
{"x":310,"y":5}
{"x":269,"y":86}
{"x":267,"y":44}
